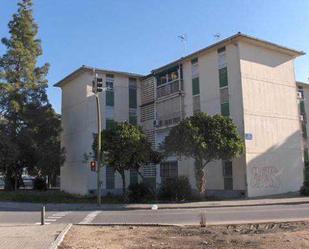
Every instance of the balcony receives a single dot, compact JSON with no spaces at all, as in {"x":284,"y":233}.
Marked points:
{"x":168,"y":88}
{"x":168,"y":120}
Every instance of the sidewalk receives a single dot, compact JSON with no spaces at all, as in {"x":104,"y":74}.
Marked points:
{"x":14,"y":236}
{"x":18,"y":206}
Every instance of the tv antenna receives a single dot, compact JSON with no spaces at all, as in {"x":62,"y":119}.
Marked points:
{"x":217,"y":36}
{"x":184,"y":39}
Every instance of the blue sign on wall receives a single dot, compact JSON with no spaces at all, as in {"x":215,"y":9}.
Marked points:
{"x":248,"y":136}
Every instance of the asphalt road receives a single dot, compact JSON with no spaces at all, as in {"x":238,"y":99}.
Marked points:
{"x":227,"y":215}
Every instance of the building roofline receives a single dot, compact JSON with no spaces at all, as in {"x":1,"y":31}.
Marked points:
{"x":239,"y":35}
{"x":84,"y":68}
{"x":302,"y":83}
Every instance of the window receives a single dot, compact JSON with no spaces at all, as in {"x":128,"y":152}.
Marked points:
{"x":195,"y":86}
{"x":304,"y":130}
{"x":225,"y":109}
{"x":110,"y":177}
{"x":132,"y":98}
{"x":196,"y":104}
{"x":221,"y":50}
{"x":109,"y":124}
{"x":168,"y":170}
{"x":302,"y":106}
{"x":132,"y":117}
{"x":194,"y":68}
{"x":110,"y":98}
{"x":306,"y":155}
{"x":228,"y":175}
{"x":133,"y":176}
{"x":224,"y":95}
{"x":110,"y":90}
{"x":223,"y":80}
{"x":194,"y":61}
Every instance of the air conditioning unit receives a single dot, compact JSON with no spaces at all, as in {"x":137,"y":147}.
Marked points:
{"x":299,"y":95}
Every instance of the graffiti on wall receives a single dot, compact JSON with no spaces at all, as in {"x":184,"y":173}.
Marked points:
{"x":265,"y":177}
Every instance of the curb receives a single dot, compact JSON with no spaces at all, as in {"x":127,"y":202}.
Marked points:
{"x":131,"y":224}
{"x":265,"y":221}
{"x":60,"y":237}
{"x":229,"y":205}
{"x":54,"y":207}
{"x":231,"y":223}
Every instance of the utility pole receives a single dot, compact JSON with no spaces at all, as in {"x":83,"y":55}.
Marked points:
{"x":97,"y":87}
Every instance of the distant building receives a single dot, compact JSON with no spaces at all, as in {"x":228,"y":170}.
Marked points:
{"x":243,"y":77}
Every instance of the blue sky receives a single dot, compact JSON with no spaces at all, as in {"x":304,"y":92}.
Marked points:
{"x":140,"y":35}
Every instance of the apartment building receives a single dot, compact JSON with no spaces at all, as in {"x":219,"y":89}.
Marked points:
{"x":248,"y":79}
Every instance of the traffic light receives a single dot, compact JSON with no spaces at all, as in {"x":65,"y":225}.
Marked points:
{"x":93,"y":165}
{"x":97,"y":85}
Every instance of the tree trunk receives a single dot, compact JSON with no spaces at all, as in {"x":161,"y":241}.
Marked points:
{"x":200,"y":176}
{"x":16,"y":180}
{"x":123,"y":185}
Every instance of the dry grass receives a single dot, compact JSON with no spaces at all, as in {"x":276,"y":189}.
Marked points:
{"x":282,"y":236}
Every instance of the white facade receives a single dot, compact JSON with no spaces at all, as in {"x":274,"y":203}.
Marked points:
{"x":256,"y":88}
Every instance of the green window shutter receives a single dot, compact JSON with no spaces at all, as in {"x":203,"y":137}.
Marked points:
{"x":304,"y":130}
{"x":133,"y":120}
{"x":306,"y":155}
{"x":195,"y":86}
{"x":223,"y":80}
{"x":110,"y":98}
{"x":225,"y":109}
{"x":132,"y":98}
{"x":109,"y":124}
{"x":302,"y":107}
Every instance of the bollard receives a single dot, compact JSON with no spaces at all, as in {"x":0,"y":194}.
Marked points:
{"x":43,"y":215}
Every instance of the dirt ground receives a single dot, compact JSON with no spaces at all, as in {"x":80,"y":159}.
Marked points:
{"x":275,"y":236}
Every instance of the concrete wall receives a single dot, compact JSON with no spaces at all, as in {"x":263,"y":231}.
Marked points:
{"x":210,"y":103}
{"x":79,"y":124}
{"x":274,"y":160}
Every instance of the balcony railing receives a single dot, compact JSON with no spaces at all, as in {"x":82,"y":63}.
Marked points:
{"x":168,"y":88}
{"x":168,"y":120}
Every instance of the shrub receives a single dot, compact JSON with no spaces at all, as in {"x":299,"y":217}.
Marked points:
{"x":140,"y":192}
{"x":304,"y":190}
{"x":176,"y":189}
{"x":39,"y":183}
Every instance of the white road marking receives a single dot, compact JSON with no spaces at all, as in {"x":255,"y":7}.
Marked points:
{"x":53,"y":217}
{"x":90,"y":217}
{"x":49,"y":220}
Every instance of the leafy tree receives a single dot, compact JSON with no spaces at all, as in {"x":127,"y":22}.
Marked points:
{"x":23,"y":99}
{"x":204,"y":138}
{"x":125,"y":147}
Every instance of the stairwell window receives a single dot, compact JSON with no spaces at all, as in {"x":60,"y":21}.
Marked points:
{"x":109,"y":124}
{"x":195,"y":86}
{"x":110,"y":90}
{"x":223,"y":79}
{"x":132,"y":93}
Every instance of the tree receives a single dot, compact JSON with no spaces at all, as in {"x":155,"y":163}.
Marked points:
{"x":125,"y":147}
{"x":23,"y":99}
{"x":204,"y":138}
